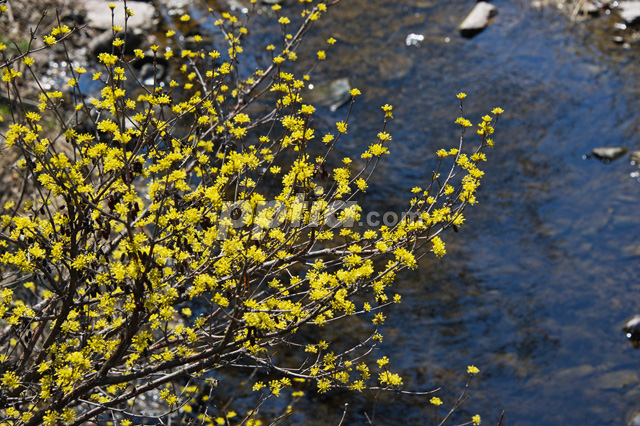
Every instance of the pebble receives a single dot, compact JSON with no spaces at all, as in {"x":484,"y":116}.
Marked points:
{"x":477,"y":20}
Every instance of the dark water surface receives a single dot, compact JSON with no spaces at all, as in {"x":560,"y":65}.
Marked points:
{"x":535,"y":288}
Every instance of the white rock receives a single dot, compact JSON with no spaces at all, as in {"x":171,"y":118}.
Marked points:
{"x":609,"y":153}
{"x":477,"y":19}
{"x":629,"y":11}
{"x":99,"y":14}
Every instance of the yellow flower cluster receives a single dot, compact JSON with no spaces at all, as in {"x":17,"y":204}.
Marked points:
{"x":185,"y":225}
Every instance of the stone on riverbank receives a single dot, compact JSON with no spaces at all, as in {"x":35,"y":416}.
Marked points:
{"x":104,"y":42}
{"x":629,"y":12}
{"x":477,"y":20}
{"x":99,"y":14}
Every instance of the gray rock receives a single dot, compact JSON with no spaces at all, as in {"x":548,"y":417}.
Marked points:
{"x":635,"y":157}
{"x":477,"y":20}
{"x":104,"y":42}
{"x":590,"y":9}
{"x":331,"y":94}
{"x":609,"y":153}
{"x":634,"y":418}
{"x":99,"y":14}
{"x":273,"y":1}
{"x":174,"y":7}
{"x":629,"y":11}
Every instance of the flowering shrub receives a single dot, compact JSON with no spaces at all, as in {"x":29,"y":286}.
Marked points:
{"x":168,"y":233}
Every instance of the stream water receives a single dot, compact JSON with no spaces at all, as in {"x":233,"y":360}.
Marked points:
{"x":535,"y":288}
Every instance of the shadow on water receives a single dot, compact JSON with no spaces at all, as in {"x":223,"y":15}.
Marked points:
{"x":535,"y":287}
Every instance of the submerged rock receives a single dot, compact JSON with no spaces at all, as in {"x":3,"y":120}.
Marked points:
{"x":632,"y":329}
{"x":331,"y":94}
{"x":477,"y":20}
{"x":616,"y":380}
{"x":629,"y":11}
{"x":635,"y":157}
{"x":395,"y":66}
{"x":608,"y":153}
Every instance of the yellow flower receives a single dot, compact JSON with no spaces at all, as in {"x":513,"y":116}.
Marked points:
{"x":472,"y":369}
{"x":439,"y":249}
{"x":50,"y":40}
{"x":108,"y":59}
{"x":476,"y":419}
{"x":384,"y":136}
{"x":435,"y":401}
{"x":60,"y":30}
{"x":307,"y":109}
{"x":387,"y":110}
{"x":10,"y":380}
{"x":461,"y":95}
{"x":322,"y":55}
